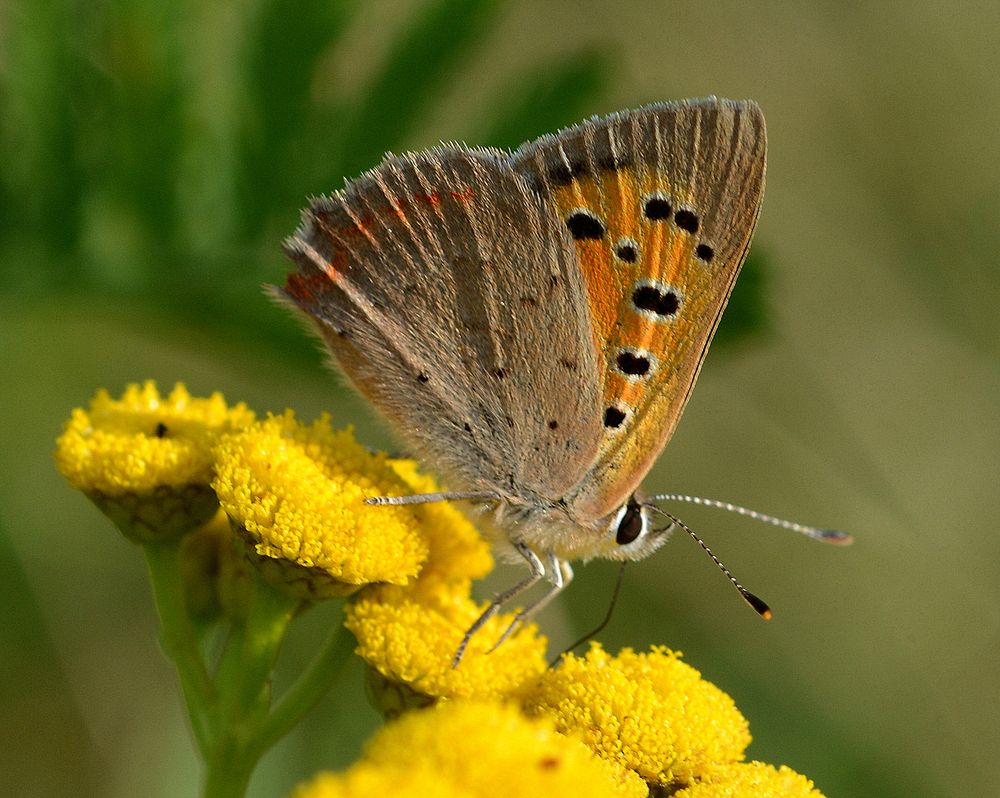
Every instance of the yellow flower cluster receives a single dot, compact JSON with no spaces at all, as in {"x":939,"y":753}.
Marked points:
{"x":649,"y":712}
{"x":597,"y":725}
{"x":408,"y":635}
{"x":751,"y":780}
{"x":471,"y":749}
{"x":457,"y":552}
{"x":160,"y":467}
{"x":144,"y":441}
{"x":654,"y":722}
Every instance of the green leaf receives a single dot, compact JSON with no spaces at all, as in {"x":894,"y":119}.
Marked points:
{"x":419,"y":63}
{"x":553,"y":96}
{"x":286,"y":45}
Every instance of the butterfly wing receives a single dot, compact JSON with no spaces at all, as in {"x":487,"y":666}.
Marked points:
{"x":661,"y":203}
{"x":450,"y":295}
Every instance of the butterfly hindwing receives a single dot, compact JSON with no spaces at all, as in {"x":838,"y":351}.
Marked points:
{"x":661,"y":203}
{"x":450,"y":295}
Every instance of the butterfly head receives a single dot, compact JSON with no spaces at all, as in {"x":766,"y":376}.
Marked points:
{"x":631,"y":534}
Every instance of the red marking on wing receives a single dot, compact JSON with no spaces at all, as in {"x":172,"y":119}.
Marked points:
{"x":433,"y":198}
{"x":303,"y":287}
{"x":400,"y":209}
{"x":358,"y":229}
{"x":403,"y":207}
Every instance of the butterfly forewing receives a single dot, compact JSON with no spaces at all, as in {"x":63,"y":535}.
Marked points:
{"x":450,"y":295}
{"x":661,"y":203}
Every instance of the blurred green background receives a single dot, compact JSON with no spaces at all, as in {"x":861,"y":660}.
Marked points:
{"x":154,"y":155}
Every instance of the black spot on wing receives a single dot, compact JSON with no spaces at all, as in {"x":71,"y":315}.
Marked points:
{"x":633,"y":364}
{"x":583,"y":225}
{"x":662,"y":302}
{"x":626,"y":251}
{"x":686,"y":220}
{"x":656,"y":208}
{"x":613,"y":417}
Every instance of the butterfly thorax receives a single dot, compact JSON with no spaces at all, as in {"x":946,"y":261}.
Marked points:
{"x":553,"y":528}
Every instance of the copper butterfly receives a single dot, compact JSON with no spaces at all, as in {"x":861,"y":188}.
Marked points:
{"x":533,"y":323}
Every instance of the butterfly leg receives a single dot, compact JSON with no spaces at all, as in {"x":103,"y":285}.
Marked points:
{"x":537,"y":573}
{"x":561,"y":574}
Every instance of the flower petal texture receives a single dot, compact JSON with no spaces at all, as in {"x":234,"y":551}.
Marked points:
{"x":297,"y":492}
{"x":410,"y":635}
{"x":480,"y":748}
{"x":649,"y":712}
{"x":751,"y":780}
{"x":144,"y":441}
{"x":365,"y":780}
{"x":457,"y":552}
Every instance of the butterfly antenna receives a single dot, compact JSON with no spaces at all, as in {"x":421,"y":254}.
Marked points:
{"x":757,"y":603}
{"x":600,"y":627}
{"x":816,"y":533}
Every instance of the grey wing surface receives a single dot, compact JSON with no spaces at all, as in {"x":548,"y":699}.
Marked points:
{"x":450,"y":296}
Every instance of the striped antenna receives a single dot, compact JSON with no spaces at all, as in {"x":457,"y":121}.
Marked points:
{"x":816,"y":533}
{"x":758,"y":604}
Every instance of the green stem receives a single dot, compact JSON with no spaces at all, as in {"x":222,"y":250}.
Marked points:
{"x":229,"y":714}
{"x":244,"y":687}
{"x":178,"y":637}
{"x":227,"y":774}
{"x":308,"y":689}
{"x":244,"y":676}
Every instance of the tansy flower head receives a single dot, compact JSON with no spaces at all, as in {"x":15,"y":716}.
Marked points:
{"x":365,"y":780}
{"x":296,"y":495}
{"x":648,"y":712}
{"x":457,"y":552}
{"x":146,"y":460}
{"x":480,"y":749}
{"x":751,"y":780}
{"x":409,"y":637}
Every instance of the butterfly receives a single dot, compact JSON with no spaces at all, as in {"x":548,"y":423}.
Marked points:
{"x":533,"y":323}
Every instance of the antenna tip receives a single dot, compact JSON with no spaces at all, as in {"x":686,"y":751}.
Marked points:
{"x":836,"y":537}
{"x":759,"y":605}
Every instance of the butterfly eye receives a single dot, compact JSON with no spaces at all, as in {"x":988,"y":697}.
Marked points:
{"x":630,"y":524}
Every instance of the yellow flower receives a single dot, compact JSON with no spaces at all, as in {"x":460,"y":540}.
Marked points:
{"x":648,"y":712}
{"x":479,"y":749}
{"x":365,"y":780}
{"x":751,"y":780}
{"x":146,"y":460}
{"x":409,"y":636}
{"x":457,"y":552}
{"x":295,"y":494}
